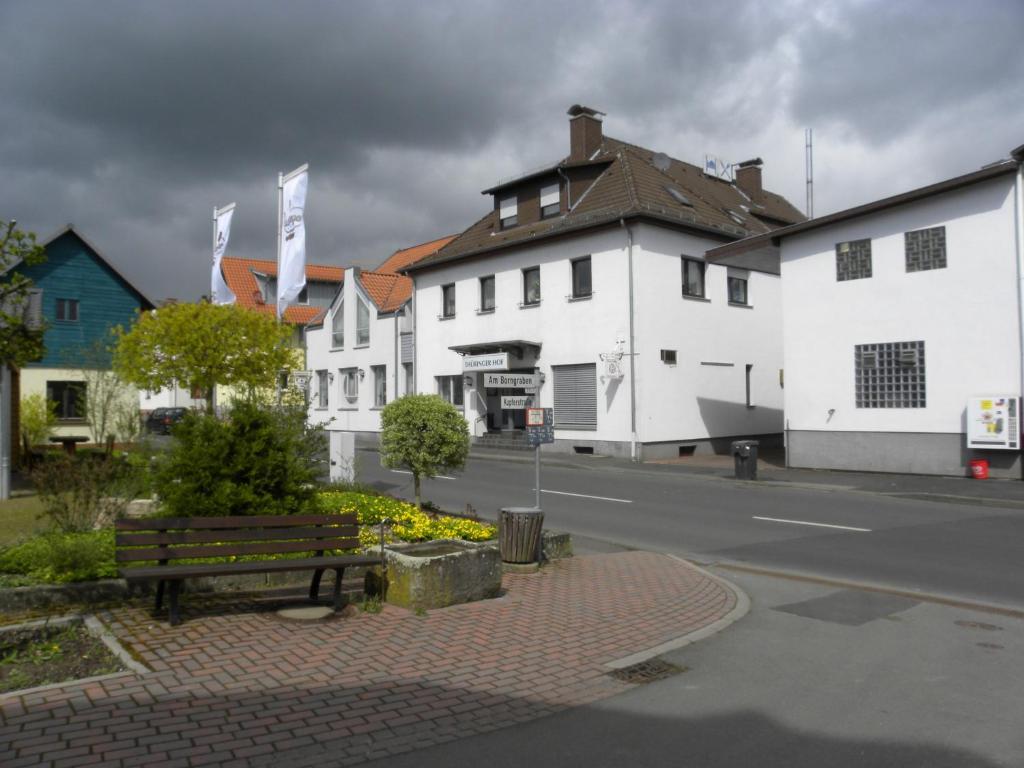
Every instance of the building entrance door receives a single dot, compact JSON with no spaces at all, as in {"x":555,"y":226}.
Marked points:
{"x":501,"y":419}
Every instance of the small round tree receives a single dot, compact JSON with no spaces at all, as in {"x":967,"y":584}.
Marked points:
{"x":424,"y":434}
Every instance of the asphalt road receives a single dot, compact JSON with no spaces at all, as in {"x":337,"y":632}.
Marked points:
{"x":962,"y":550}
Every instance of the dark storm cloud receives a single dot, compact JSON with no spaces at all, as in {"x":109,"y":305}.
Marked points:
{"x":132,"y":119}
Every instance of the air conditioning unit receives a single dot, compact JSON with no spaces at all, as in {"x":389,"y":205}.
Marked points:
{"x":993,"y":422}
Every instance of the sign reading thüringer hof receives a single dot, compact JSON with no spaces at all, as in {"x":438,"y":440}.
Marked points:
{"x":514,"y":380}
{"x":495,"y":362}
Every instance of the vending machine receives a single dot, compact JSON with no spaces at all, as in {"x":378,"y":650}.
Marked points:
{"x":993,"y":422}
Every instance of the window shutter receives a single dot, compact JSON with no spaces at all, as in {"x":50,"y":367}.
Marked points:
{"x":549,"y":195}
{"x":575,"y":396}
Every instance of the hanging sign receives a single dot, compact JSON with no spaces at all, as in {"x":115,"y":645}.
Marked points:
{"x":495,"y":362}
{"x":540,"y":426}
{"x":515,"y":402}
{"x":514,"y":380}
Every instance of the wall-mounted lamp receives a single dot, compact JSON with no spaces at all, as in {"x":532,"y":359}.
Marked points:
{"x":468,"y":381}
{"x":330,"y":378}
{"x":362,"y":373}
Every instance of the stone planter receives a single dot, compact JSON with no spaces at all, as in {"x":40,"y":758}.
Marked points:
{"x":434,"y":574}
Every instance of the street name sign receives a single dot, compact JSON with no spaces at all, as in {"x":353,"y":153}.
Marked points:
{"x":515,"y":402}
{"x":495,"y":362}
{"x":514,"y":380}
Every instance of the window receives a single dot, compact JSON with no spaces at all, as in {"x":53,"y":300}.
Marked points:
{"x":448,"y":300}
{"x":450,"y":389}
{"x":67,"y":310}
{"x":668,"y":356}
{"x":925,"y":249}
{"x":487,"y":293}
{"x":321,"y":389}
{"x":693,"y":278}
{"x":380,"y":385}
{"x":349,"y":383}
{"x":409,"y":384}
{"x":853,"y":260}
{"x":338,"y":325}
{"x":549,"y":203}
{"x":737,"y":290}
{"x":362,"y":322}
{"x":508,"y":209}
{"x":581,"y":284}
{"x":531,"y":286}
{"x":69,"y":397}
{"x":575,"y":396}
{"x":890,"y":375}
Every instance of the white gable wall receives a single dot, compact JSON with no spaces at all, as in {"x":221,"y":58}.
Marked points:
{"x":967,"y":314}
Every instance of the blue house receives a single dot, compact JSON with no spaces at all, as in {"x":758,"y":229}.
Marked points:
{"x":81,"y":297}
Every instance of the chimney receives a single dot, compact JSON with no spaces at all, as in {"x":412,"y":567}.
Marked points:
{"x":585,"y":136}
{"x":748,"y":178}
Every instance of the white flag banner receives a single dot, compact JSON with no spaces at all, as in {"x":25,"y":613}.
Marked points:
{"x":220,"y":293}
{"x":291,"y":260}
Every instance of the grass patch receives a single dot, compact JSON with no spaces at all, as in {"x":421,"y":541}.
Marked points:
{"x":19,"y":518}
{"x":54,"y":655}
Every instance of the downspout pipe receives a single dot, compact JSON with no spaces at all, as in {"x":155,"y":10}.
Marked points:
{"x":568,"y":189}
{"x":633,"y":453}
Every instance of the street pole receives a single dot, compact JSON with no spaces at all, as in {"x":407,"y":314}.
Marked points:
{"x":536,"y":472}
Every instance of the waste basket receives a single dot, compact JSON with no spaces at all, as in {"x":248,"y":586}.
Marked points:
{"x":979,"y":469}
{"x":744,"y":453}
{"x":520,"y":534}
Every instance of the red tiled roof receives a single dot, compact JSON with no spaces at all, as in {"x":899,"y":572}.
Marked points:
{"x":403,"y":258}
{"x":238,"y":273}
{"x":388,"y":290}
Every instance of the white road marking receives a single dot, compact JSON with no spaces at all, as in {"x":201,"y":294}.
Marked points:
{"x":435,"y":477}
{"x":816,"y":525}
{"x":585,"y":496}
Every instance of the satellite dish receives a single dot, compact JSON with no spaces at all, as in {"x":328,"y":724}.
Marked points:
{"x":661,"y":161}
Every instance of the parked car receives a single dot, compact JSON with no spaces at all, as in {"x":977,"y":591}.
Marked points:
{"x":160,"y":420}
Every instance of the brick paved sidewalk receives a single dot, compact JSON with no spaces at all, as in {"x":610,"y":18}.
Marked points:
{"x":238,"y":686}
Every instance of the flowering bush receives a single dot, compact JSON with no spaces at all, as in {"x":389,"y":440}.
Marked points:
{"x":407,"y":522}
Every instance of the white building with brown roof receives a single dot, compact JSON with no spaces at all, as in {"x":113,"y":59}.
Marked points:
{"x":902,"y":327}
{"x":591,"y":273}
{"x":359,"y":348}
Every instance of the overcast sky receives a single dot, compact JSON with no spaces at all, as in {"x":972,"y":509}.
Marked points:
{"x":133,"y":119}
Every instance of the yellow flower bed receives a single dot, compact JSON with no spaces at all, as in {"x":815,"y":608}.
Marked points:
{"x":407,"y":522}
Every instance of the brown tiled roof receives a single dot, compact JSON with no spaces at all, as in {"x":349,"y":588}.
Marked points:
{"x":238,"y":274}
{"x":631,"y":186}
{"x":403,"y":258}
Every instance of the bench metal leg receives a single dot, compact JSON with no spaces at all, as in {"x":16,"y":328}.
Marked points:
{"x":314,"y":586}
{"x":338,"y":602}
{"x":159,"y":596}
{"x":174,"y":615}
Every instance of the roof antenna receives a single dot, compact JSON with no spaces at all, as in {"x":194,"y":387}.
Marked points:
{"x":809,"y":163}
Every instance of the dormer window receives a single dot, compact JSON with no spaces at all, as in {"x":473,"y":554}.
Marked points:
{"x":508,"y":212}
{"x":549,"y":201}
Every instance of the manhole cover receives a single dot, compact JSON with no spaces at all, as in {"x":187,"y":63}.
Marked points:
{"x":977,"y":625}
{"x":646,"y":672}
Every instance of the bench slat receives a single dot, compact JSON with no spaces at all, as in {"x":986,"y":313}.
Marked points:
{"x":228,"y":550}
{"x":212,"y":536}
{"x":242,"y":521}
{"x":151,"y":573}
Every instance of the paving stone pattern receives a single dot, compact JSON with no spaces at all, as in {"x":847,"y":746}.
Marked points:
{"x":236,"y":685}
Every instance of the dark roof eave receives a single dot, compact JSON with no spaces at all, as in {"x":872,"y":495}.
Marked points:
{"x":553,"y":168}
{"x":600,"y":223}
{"x":775,"y":237}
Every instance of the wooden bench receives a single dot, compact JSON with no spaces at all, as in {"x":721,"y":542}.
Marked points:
{"x":200,"y":539}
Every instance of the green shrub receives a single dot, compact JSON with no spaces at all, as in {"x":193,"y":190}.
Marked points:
{"x":57,"y":558}
{"x":38,"y":419}
{"x":81,"y":492}
{"x":260,"y":461}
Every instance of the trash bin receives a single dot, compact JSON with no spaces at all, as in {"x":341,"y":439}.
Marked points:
{"x":519,"y":538}
{"x":744,"y":453}
{"x":979,"y":469}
